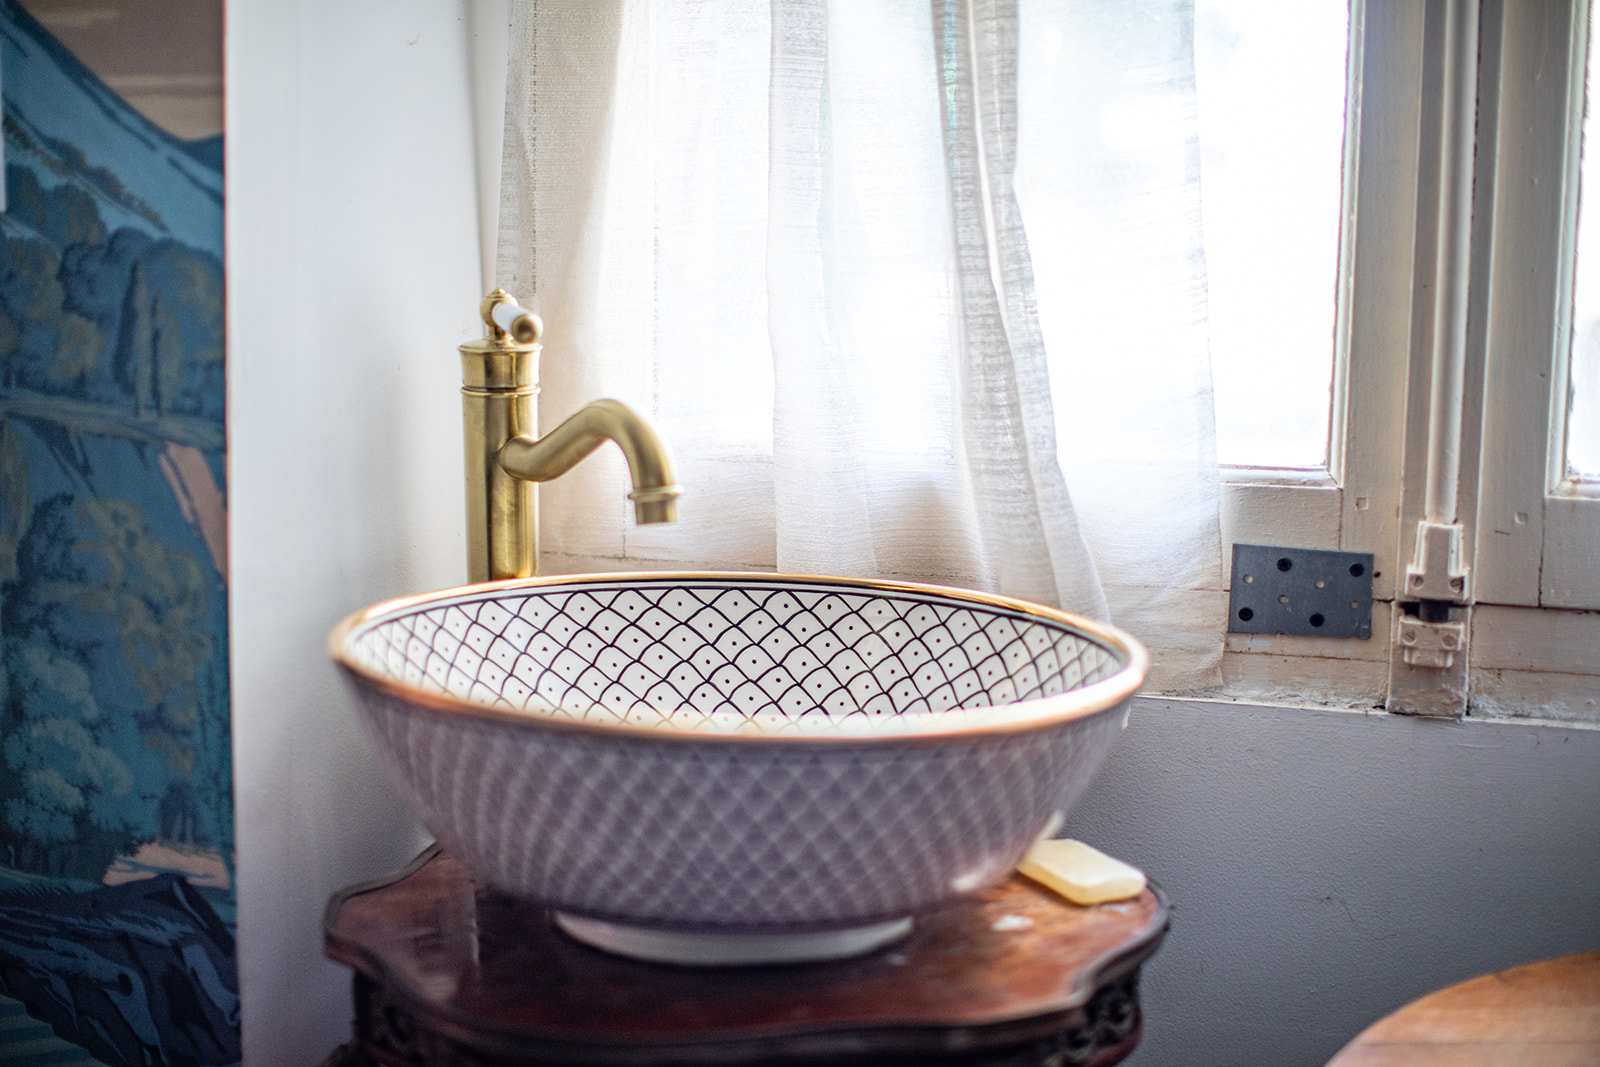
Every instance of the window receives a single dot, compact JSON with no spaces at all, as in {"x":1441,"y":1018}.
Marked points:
{"x":1440,"y":188}
{"x":1582,"y":439}
{"x":1271,"y":83}
{"x":1520,"y":484}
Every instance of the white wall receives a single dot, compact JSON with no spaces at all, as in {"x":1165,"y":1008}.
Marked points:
{"x":353,"y":271}
{"x":1327,"y":867}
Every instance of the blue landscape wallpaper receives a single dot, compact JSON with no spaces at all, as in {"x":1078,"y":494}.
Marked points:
{"x":116,"y":807}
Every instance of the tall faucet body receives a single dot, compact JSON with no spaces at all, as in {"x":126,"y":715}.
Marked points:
{"x":506,"y":457}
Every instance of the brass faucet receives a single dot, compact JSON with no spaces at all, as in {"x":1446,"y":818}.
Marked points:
{"x":505,"y":455}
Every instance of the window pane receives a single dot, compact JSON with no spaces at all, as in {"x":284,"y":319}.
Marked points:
{"x":1583,"y":424}
{"x":1271,"y":79}
{"x":1583,"y":415}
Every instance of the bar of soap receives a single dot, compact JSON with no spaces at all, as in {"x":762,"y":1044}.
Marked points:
{"x":1082,"y":874}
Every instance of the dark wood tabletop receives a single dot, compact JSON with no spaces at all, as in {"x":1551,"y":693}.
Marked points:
{"x":1545,"y":1014}
{"x":475,"y":977}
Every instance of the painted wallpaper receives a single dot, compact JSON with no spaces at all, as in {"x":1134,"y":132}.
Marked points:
{"x":116,"y":807}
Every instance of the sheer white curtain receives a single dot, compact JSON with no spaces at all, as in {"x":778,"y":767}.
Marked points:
{"x":892,"y":276}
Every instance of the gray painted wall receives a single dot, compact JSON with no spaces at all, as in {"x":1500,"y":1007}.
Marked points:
{"x":1327,"y":867}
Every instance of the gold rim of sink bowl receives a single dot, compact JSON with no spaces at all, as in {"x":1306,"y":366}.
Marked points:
{"x":1034,"y":714}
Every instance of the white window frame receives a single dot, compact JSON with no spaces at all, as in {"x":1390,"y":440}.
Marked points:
{"x":1545,"y":560}
{"x":1352,"y":505}
{"x":1536,"y":650}
{"x":1531,"y":651}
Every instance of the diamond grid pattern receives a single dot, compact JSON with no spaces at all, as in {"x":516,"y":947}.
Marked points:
{"x":729,"y":835}
{"x":721,"y":657}
{"x":718,"y":834}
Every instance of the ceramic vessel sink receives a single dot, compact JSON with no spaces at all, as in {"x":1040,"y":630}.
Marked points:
{"x":724,"y":768}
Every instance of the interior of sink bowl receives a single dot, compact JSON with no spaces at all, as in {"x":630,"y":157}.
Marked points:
{"x":741,"y":654}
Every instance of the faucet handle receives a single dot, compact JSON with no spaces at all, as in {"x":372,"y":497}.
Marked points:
{"x":506,"y":318}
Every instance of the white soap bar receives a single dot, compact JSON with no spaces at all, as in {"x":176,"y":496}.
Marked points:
{"x":1082,"y":874}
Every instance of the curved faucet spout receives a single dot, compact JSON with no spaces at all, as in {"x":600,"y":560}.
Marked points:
{"x":655,"y":489}
{"x":506,"y":458}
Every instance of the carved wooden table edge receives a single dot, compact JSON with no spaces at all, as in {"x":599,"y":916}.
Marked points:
{"x":1091,"y":1017}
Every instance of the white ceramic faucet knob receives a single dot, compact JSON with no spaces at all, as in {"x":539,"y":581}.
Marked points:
{"x":522,"y":325}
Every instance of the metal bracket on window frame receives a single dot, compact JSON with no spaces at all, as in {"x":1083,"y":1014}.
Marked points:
{"x":1436,"y":571}
{"x":1301,"y":592}
{"x":1435,"y":579}
{"x":1431,"y":644}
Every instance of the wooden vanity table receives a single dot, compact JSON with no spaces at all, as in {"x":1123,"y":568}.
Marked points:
{"x":448,"y":972}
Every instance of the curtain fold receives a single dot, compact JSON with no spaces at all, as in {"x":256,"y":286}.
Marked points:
{"x":1029,"y":530}
{"x":805,"y":237}
{"x":1108,"y":178}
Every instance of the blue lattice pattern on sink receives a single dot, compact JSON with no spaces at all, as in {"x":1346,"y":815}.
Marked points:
{"x":715,"y":655}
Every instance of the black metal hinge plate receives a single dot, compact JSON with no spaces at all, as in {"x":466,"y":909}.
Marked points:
{"x":1306,"y":592}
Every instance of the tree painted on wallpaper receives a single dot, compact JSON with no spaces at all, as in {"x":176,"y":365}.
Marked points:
{"x":116,"y":809}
